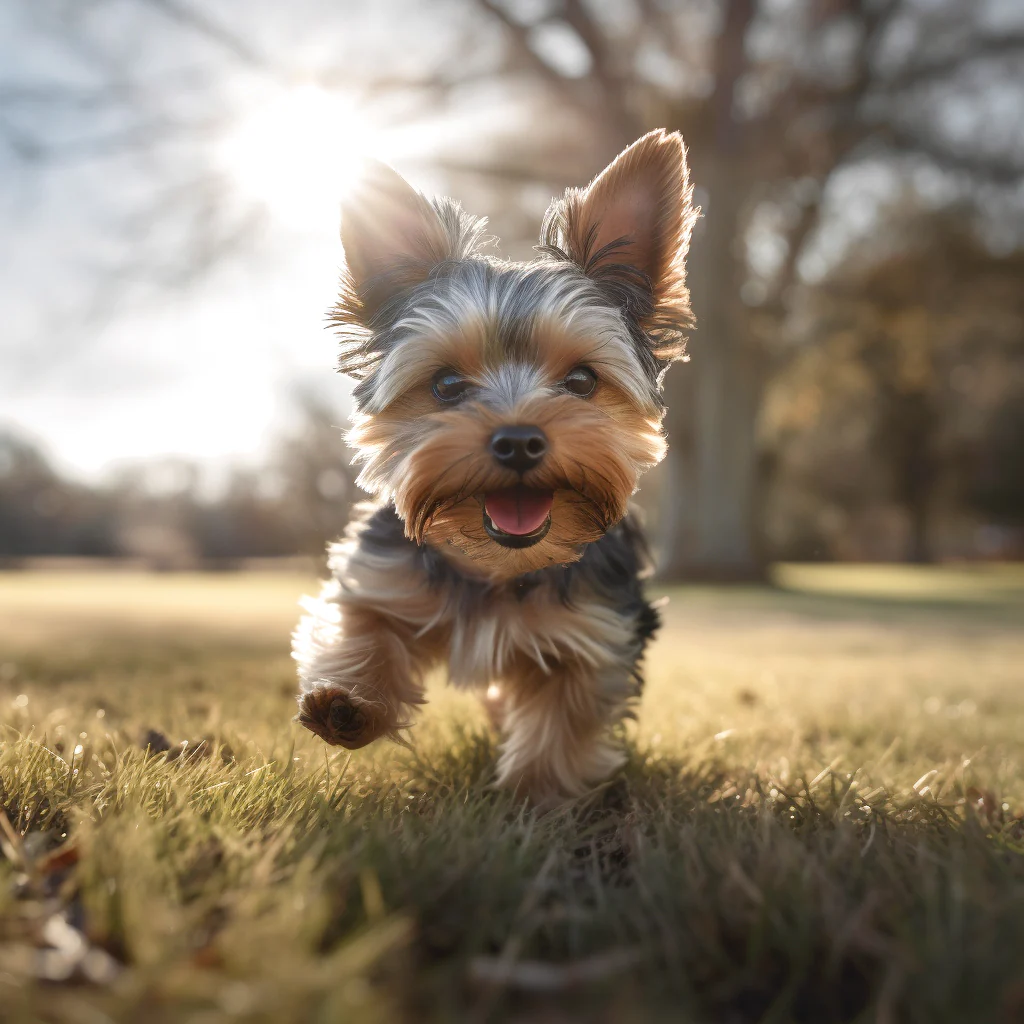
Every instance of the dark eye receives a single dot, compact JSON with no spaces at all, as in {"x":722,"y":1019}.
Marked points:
{"x":449,"y":386}
{"x":580,"y":381}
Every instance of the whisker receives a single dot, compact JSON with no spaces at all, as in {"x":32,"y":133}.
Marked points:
{"x":599,"y":516}
{"x":610,"y":486}
{"x":432,"y":508}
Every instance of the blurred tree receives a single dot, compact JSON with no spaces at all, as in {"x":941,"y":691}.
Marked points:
{"x":775,"y":101}
{"x":169,"y":514}
{"x":43,"y":514}
{"x":311,"y":471}
{"x":903,"y":395}
{"x":779,"y":103}
{"x":996,"y":485}
{"x":244,"y":522}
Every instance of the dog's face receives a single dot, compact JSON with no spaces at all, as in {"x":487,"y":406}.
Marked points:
{"x":507,"y":409}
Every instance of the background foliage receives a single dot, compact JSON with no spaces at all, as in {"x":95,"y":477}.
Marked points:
{"x":858,"y":371}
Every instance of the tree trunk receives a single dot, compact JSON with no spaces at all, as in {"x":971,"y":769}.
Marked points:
{"x":708,"y":519}
{"x":918,"y":545}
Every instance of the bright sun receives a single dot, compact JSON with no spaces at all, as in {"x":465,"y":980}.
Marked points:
{"x":300,"y":152}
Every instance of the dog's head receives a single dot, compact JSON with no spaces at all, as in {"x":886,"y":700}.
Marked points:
{"x":508,"y":409}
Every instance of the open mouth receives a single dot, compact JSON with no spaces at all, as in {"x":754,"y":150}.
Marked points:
{"x":517,"y":517}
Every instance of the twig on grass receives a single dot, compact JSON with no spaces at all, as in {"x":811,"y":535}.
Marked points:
{"x":824,"y":771}
{"x":10,"y":843}
{"x":539,"y":976}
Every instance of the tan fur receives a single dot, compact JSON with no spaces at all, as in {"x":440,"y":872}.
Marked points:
{"x":644,"y":196}
{"x":434,"y":464}
{"x":561,"y":671}
{"x":564,"y":673}
{"x":595,"y":460}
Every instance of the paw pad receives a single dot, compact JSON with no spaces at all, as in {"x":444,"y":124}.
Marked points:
{"x":345,"y":719}
{"x":337,"y":719}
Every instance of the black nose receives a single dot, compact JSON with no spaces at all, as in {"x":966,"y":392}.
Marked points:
{"x":519,"y":448}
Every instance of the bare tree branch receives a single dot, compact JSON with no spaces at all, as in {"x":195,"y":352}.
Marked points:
{"x":786,"y":277}
{"x":998,"y":170}
{"x":519,"y":36}
{"x":188,"y":16}
{"x":942,"y":65}
{"x":603,"y":73}
{"x":528,"y":174}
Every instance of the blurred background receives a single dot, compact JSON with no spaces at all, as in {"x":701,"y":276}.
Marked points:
{"x":169,"y":179}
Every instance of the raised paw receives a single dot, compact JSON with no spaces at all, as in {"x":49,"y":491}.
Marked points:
{"x":339,"y":719}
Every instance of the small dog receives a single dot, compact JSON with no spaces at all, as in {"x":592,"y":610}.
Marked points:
{"x":504,"y":414}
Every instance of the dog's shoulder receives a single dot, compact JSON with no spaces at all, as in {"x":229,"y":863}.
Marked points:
{"x":375,"y":539}
{"x":621,"y":553}
{"x":613,"y":570}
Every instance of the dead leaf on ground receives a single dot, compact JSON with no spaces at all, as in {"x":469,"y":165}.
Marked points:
{"x":157,"y":742}
{"x":61,"y":953}
{"x":154,"y":741}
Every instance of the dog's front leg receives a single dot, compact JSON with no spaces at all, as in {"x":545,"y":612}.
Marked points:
{"x":360,"y":672}
{"x":365,"y":643}
{"x":556,"y":727}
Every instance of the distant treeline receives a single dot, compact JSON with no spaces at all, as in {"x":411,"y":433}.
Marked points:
{"x":893,"y":429}
{"x":167,"y":514}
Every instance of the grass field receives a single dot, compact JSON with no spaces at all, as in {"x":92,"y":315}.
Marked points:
{"x":820,"y":819}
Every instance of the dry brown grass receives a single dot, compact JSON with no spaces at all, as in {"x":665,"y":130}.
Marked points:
{"x":817,"y":822}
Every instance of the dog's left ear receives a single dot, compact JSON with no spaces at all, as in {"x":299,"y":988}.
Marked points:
{"x":629,"y":230}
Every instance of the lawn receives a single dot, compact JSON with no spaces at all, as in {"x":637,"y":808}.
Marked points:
{"x":820,"y":819}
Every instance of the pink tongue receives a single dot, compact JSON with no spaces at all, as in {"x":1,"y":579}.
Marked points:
{"x":518,"y":510}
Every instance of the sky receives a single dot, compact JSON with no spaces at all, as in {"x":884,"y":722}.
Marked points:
{"x":205,"y":373}
{"x":115,"y":343}
{"x":105,"y":356}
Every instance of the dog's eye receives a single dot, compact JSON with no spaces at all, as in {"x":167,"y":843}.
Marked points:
{"x":449,"y":386}
{"x":580,"y":381}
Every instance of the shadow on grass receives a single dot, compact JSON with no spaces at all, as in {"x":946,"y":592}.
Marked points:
{"x":681,"y":891}
{"x":684,"y":892}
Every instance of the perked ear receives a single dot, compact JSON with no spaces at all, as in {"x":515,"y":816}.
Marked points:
{"x":391,"y":235}
{"x":629,"y":229}
{"x":393,"y":238}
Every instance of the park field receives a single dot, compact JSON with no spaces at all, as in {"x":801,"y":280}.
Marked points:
{"x":822,"y":819}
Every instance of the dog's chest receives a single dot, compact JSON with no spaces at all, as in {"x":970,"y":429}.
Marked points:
{"x":491,"y":640}
{"x":487,"y":639}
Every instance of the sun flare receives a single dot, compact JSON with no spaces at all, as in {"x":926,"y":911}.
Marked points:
{"x":300,"y":152}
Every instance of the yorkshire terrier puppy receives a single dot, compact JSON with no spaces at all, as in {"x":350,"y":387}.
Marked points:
{"x":504,"y":414}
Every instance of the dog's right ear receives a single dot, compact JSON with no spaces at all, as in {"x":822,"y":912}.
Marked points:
{"x":629,"y":230}
{"x":392,"y":237}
